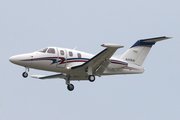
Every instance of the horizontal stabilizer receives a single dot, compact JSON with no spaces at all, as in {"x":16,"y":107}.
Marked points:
{"x":149,"y":42}
{"x":153,"y":40}
{"x":62,"y":76}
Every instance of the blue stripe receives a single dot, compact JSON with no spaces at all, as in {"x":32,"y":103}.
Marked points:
{"x":69,"y":59}
{"x":78,"y":59}
{"x":140,"y":43}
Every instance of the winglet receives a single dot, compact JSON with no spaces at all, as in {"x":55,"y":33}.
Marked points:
{"x":112,"y":45}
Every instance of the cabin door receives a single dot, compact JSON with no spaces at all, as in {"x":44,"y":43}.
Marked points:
{"x":61,"y":57}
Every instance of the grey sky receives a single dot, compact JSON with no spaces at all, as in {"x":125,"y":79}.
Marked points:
{"x":27,"y":26}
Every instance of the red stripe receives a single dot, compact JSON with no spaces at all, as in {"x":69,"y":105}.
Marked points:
{"x":77,"y":61}
{"x":119,"y":63}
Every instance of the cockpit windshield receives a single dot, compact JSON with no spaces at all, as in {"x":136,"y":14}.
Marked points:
{"x":43,"y":50}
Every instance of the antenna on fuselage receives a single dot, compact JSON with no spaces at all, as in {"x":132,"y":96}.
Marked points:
{"x":75,"y":48}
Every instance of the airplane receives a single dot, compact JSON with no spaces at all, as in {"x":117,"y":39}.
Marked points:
{"x":71,"y":64}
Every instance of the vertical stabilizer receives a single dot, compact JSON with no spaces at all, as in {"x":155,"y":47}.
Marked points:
{"x":139,"y":51}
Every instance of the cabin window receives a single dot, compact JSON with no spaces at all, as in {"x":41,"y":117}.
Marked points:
{"x":79,"y":55}
{"x":43,"y":50}
{"x":51,"y":50}
{"x":70,"y":53}
{"x":62,"y":52}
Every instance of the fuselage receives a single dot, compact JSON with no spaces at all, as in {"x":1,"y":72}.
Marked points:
{"x":76,"y":65}
{"x":62,"y":59}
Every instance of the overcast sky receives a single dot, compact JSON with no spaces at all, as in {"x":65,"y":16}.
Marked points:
{"x":27,"y":26}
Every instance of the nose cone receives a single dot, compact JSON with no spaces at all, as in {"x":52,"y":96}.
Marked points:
{"x":22,"y":60}
{"x":14,"y":59}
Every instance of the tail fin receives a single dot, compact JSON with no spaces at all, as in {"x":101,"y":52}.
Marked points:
{"x":139,"y":51}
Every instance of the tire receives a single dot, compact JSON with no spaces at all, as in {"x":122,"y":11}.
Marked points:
{"x":70,"y":87}
{"x":25,"y":74}
{"x":91,"y":78}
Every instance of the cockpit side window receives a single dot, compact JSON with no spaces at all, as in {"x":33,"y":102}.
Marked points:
{"x":51,"y":50}
{"x":43,"y":50}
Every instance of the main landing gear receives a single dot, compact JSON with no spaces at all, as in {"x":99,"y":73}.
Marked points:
{"x":25,"y":74}
{"x":70,"y":86}
{"x":89,"y":71}
{"x":91,"y":78}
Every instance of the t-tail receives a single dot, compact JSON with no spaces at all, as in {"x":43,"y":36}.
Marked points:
{"x":139,"y":51}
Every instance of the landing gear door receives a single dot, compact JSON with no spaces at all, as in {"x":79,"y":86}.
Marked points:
{"x":61,"y":58}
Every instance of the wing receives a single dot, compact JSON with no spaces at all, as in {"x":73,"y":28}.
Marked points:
{"x":62,"y":76}
{"x":98,"y":63}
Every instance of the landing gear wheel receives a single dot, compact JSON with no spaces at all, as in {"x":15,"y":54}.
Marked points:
{"x":70,"y":87}
{"x":91,"y":78}
{"x":25,"y":74}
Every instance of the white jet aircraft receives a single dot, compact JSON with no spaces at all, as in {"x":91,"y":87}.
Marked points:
{"x":76,"y":65}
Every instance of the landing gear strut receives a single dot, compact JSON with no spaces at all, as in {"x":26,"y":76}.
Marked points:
{"x":70,"y":86}
{"x":25,"y":74}
{"x":89,"y":71}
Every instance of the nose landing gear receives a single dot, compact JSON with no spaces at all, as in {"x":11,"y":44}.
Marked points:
{"x":25,"y":74}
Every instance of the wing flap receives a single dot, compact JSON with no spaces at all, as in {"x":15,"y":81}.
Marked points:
{"x":99,"y":71}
